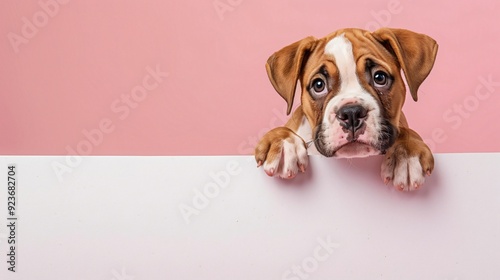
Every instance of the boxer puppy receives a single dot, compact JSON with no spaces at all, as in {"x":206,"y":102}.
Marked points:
{"x":352,"y":94}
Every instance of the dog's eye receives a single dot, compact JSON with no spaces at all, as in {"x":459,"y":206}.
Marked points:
{"x":380,"y":79}
{"x":318,"y":86}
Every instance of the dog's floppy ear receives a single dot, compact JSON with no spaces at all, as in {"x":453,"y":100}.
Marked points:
{"x":285,"y":65}
{"x":415,"y":52}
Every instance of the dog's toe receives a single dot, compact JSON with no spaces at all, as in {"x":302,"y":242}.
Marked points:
{"x":285,"y":154}
{"x":406,"y":174}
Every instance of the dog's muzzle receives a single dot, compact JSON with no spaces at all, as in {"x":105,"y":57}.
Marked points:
{"x":354,"y":134}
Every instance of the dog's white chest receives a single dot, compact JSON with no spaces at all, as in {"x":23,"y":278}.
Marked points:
{"x":305,"y":132}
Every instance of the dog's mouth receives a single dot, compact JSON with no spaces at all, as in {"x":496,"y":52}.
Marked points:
{"x":353,"y":148}
{"x":356,"y":149}
{"x":363,"y":145}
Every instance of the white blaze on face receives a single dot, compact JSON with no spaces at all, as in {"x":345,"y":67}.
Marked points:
{"x":350,"y":92}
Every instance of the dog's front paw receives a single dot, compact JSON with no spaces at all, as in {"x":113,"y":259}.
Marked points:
{"x":407,"y":164}
{"x":282,"y":153}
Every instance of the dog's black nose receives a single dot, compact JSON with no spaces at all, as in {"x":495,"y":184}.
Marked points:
{"x":351,"y":117}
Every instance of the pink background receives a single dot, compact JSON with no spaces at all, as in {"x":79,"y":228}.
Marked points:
{"x":76,"y":59}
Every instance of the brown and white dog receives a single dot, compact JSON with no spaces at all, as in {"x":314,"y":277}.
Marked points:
{"x":352,"y":96}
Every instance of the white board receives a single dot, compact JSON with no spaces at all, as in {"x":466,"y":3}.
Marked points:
{"x":120,"y":218}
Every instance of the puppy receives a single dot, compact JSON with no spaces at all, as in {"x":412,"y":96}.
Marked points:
{"x":352,"y":94}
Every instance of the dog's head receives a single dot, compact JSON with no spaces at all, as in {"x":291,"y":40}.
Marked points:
{"x":351,"y":84}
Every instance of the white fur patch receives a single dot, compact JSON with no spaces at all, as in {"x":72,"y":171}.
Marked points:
{"x":305,"y":131}
{"x":341,"y":49}
{"x":292,"y":157}
{"x":406,"y":175}
{"x":350,"y":92}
